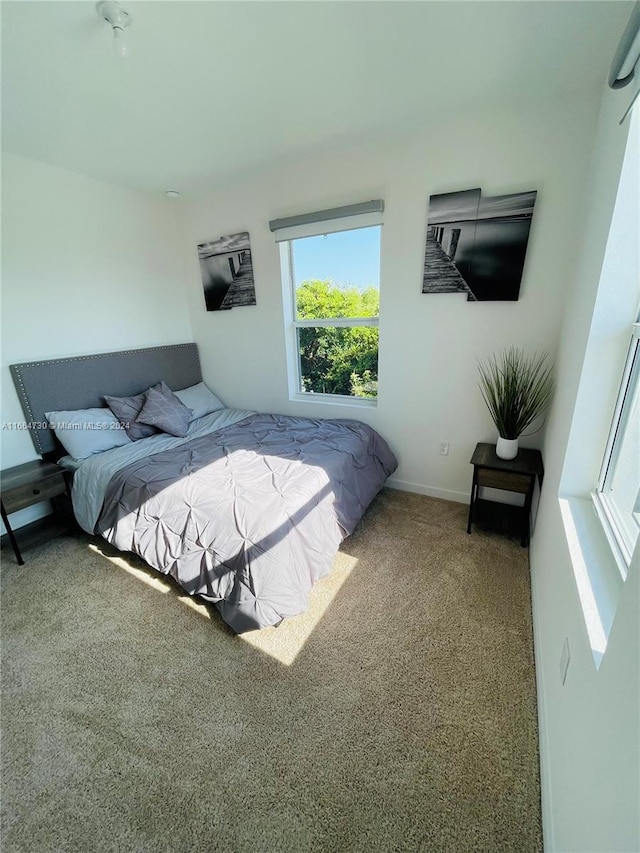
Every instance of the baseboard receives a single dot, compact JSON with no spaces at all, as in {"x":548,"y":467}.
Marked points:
{"x":419,"y":489}
{"x":548,"y":833}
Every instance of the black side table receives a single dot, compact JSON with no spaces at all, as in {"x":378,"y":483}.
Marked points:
{"x":26,"y":485}
{"x":512,"y":475}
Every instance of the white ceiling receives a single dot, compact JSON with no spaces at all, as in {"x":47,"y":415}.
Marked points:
{"x":217,"y":87}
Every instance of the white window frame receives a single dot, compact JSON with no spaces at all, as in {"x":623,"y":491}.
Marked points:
{"x":615,"y":531}
{"x":599,"y":563}
{"x":285,"y":237}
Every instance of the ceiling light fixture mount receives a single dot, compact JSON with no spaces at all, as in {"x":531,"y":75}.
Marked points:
{"x":172,"y":193}
{"x":119,"y":19}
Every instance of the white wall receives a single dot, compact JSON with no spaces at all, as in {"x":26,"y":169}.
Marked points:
{"x":86,"y":267}
{"x":429,"y":344}
{"x":589,"y":728}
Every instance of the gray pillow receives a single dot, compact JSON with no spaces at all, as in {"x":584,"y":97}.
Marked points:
{"x":127,"y":409}
{"x":200,"y":399}
{"x":83,"y":432}
{"x":165,"y":411}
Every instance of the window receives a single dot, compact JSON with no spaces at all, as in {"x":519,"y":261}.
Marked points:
{"x":601,"y":473}
{"x":330,"y":264}
{"x":617,"y":497}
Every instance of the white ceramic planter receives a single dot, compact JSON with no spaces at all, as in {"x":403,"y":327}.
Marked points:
{"x":507,"y":448}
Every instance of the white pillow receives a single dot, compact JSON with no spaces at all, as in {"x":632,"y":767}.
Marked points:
{"x":85,"y":432}
{"x":200,"y":400}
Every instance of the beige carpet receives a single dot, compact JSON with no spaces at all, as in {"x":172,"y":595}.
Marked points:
{"x":398,"y":714}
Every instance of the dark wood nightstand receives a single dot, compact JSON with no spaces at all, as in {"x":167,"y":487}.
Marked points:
{"x":26,"y":485}
{"x":512,"y":475}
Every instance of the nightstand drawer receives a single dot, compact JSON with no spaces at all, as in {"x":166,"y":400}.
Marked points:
{"x":32,"y":493}
{"x":504,"y":480}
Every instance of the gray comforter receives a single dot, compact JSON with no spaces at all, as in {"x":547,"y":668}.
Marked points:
{"x":252,"y":515}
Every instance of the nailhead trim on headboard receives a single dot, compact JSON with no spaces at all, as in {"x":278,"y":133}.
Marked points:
{"x":102,"y":355}
{"x":22,"y":394}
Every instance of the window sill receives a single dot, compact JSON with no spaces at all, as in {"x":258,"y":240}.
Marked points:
{"x":333,"y":400}
{"x":595,"y":569}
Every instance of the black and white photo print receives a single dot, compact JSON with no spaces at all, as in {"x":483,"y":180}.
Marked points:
{"x":477,"y":245}
{"x":227,"y":272}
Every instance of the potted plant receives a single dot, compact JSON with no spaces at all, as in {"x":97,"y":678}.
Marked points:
{"x":517,"y":389}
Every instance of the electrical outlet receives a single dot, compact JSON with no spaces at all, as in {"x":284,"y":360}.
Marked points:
{"x":565,"y":657}
{"x":443,"y":448}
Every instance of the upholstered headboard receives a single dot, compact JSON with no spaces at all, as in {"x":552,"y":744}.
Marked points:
{"x":82,"y":381}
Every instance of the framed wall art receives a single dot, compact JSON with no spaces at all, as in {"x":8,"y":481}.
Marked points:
{"x":227,"y":272}
{"x":477,"y":245}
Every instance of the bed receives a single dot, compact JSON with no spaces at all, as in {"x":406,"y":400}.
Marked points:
{"x":245,"y":509}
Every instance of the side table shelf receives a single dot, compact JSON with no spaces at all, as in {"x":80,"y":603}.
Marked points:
{"x":27,"y":485}
{"x":512,"y":475}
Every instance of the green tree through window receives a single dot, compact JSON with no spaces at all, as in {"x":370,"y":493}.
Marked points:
{"x":338,"y":359}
